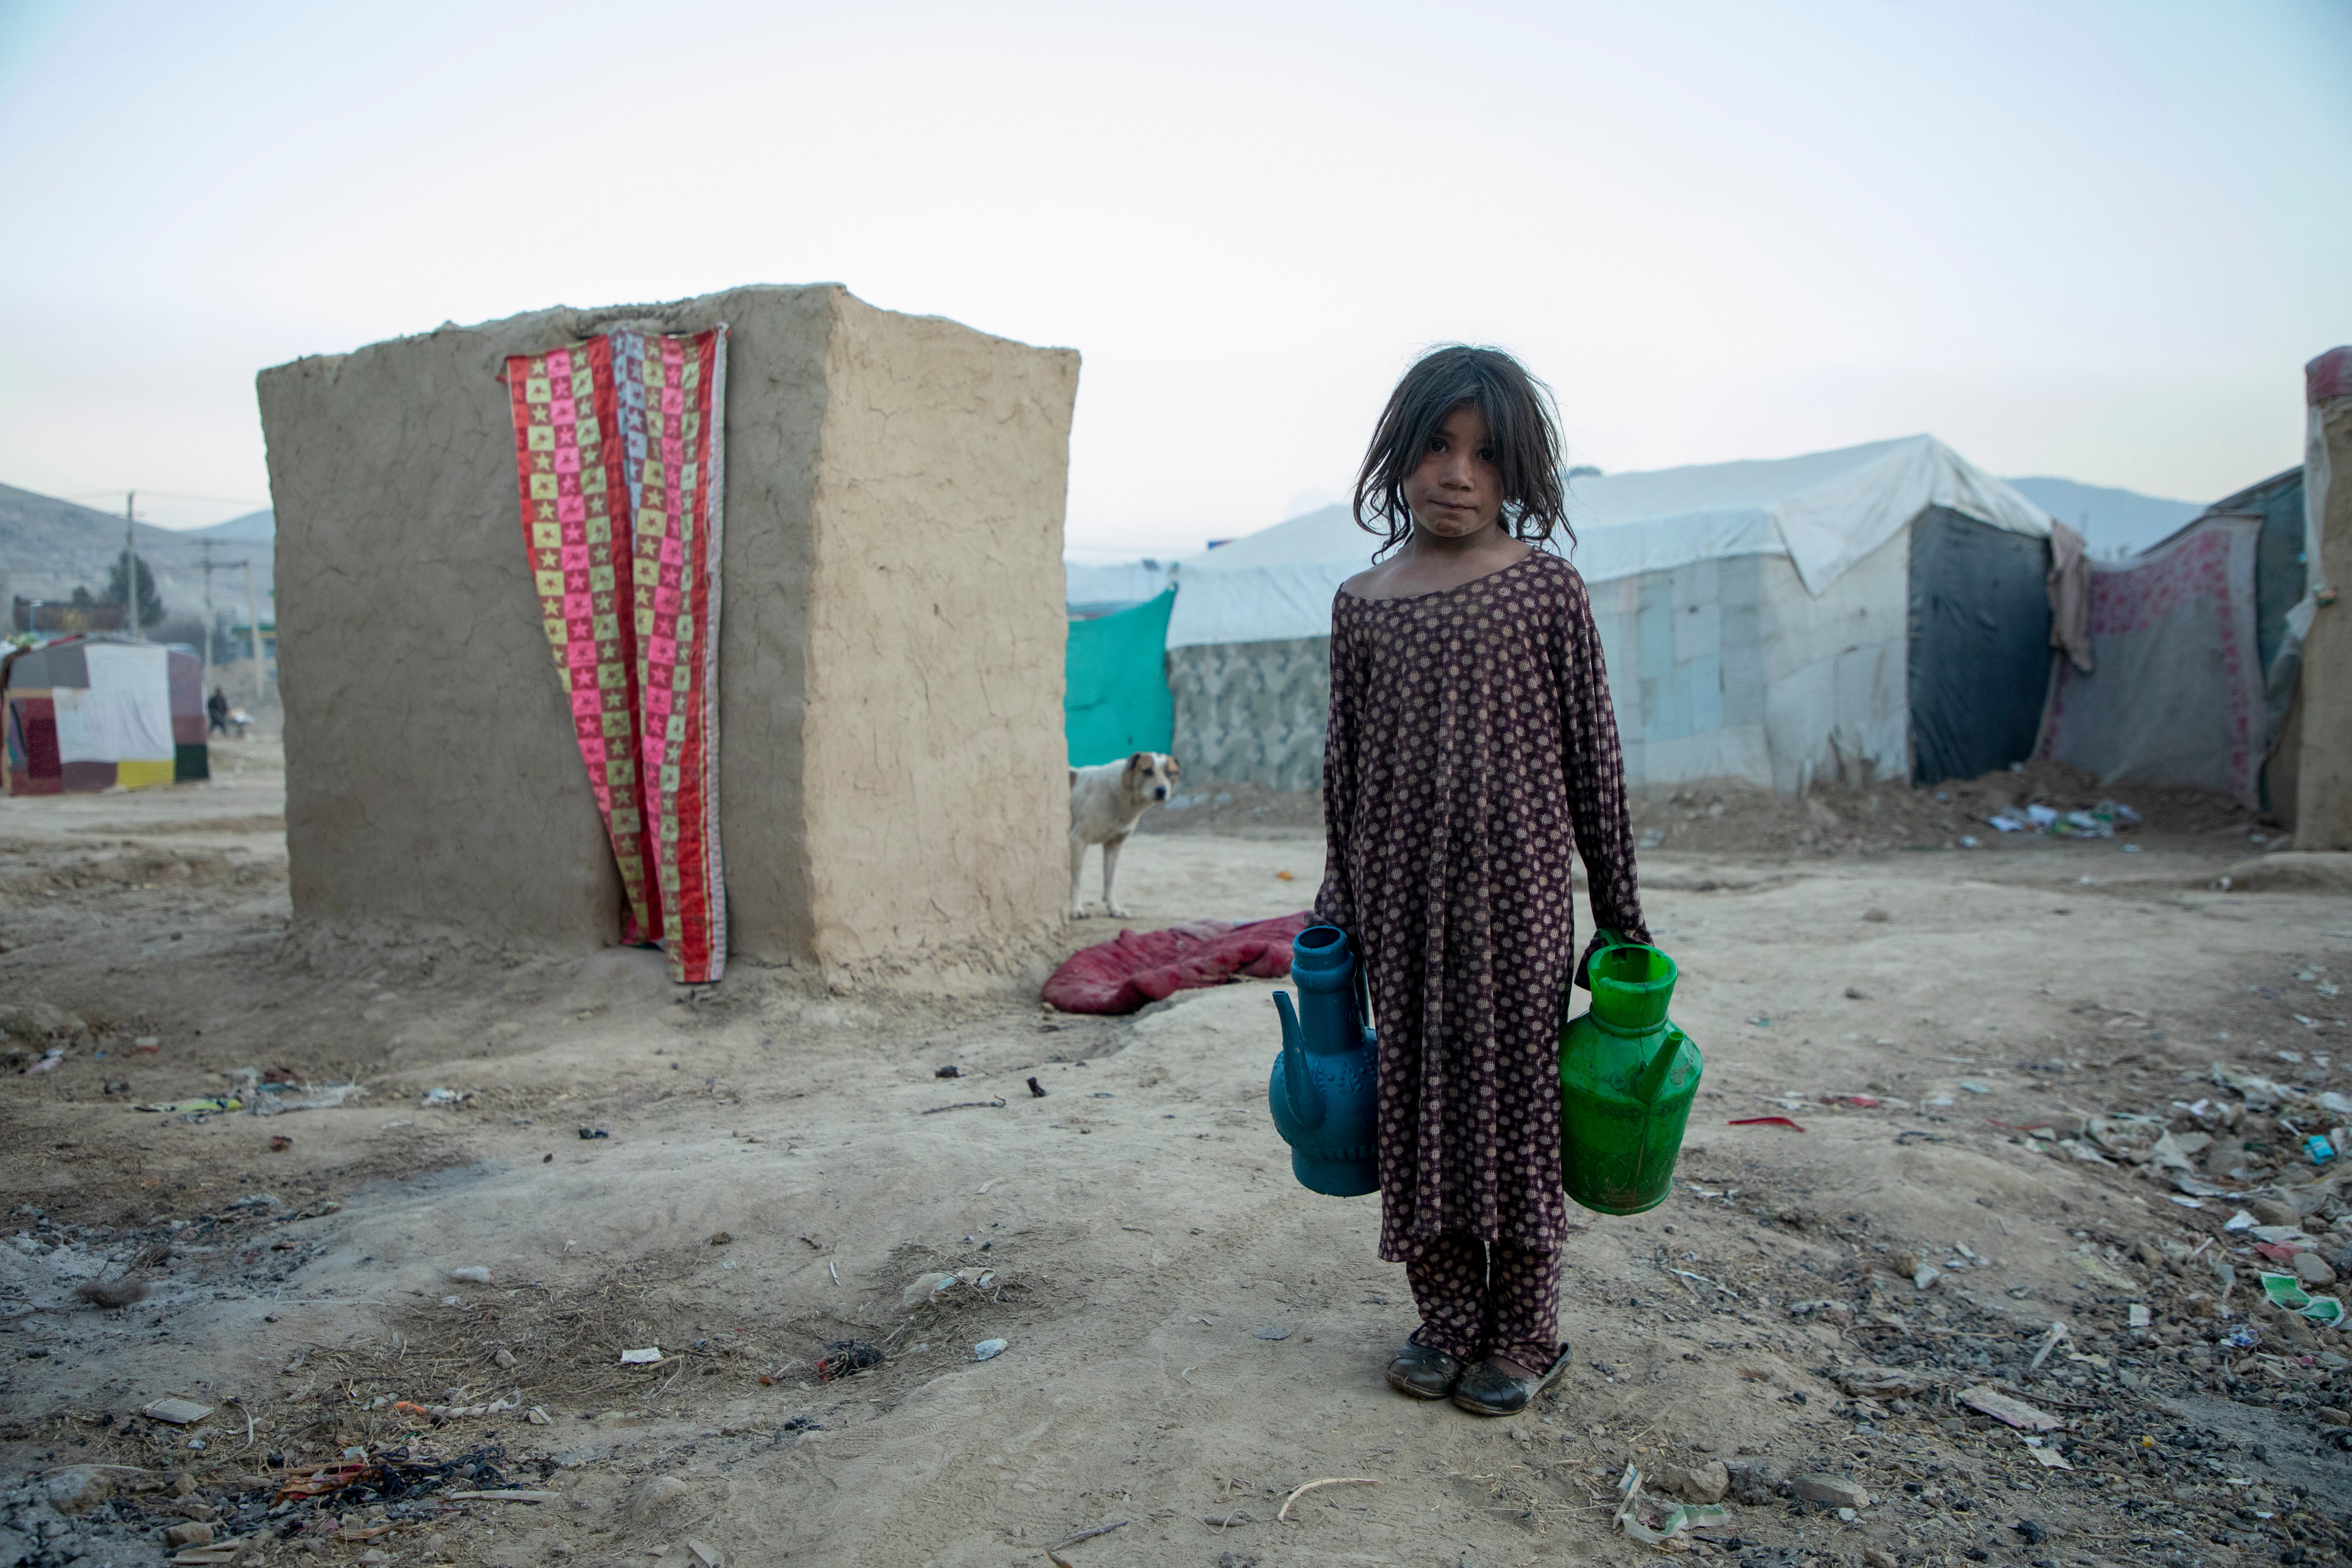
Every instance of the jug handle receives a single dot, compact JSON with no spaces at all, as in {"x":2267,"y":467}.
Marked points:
{"x":1653,"y":1076}
{"x":1364,"y":997}
{"x":1297,"y":1082}
{"x":1606,"y":939}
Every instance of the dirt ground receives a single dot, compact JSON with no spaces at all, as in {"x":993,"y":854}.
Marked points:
{"x":756,"y":1180}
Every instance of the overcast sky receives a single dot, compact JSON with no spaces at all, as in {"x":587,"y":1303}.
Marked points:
{"x":2088,"y":239}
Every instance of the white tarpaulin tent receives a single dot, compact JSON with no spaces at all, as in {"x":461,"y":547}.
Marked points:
{"x":1764,"y":620}
{"x":125,"y":712}
{"x":1090,"y":590}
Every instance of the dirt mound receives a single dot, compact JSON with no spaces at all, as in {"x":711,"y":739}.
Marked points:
{"x":274,"y":821}
{"x":2291,"y":872}
{"x":41,"y":869}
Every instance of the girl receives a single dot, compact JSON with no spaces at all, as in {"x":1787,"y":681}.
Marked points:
{"x":1472,"y":749}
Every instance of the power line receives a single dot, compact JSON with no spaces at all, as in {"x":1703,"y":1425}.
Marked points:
{"x":172,"y":495}
{"x":151,"y":545}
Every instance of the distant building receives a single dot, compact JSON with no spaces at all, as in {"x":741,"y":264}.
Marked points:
{"x":63,"y":617}
{"x":240,"y":638}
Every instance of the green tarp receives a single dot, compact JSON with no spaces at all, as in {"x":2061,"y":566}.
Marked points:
{"x":1117,"y":701}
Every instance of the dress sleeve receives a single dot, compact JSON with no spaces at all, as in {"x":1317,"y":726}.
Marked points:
{"x":1596,"y":775}
{"x":1334,"y":902}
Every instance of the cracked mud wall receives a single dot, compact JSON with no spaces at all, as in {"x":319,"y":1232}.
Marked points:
{"x":937,"y":787}
{"x":432,"y":784}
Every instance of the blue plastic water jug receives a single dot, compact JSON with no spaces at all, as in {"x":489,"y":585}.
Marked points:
{"x":1325,"y":1093}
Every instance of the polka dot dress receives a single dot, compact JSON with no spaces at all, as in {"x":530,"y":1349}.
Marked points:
{"x":1477,"y":1300}
{"x":1472,"y":749}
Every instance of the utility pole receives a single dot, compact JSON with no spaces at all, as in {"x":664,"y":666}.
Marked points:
{"x":253,"y":609}
{"x":210,"y":624}
{"x":131,"y":560}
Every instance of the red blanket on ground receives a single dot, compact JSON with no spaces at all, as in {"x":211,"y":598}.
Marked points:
{"x":1137,"y":967}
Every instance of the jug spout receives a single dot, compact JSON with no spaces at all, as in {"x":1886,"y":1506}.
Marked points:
{"x":1298,"y":1087}
{"x":1653,"y":1076}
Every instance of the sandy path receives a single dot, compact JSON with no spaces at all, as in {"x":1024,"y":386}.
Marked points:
{"x":1140,"y":1226}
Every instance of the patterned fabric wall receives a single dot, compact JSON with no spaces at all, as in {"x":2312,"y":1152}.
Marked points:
{"x":1252,"y":712}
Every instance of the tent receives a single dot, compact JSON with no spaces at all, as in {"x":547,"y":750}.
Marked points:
{"x":85,"y":715}
{"x":1873,"y":612}
{"x":1090,"y":590}
{"x":2193,"y":662}
{"x":1115,"y":699}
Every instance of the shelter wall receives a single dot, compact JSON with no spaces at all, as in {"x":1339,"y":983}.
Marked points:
{"x":1980,"y":645}
{"x":893,"y":505}
{"x":1721,"y":668}
{"x":937,"y":798}
{"x":1683,"y":674}
{"x":2280,"y":578}
{"x":2323,"y":782}
{"x":2175,"y":696}
{"x":1252,"y":714}
{"x":1118,"y":701}
{"x":431,"y":773}
{"x":1836,"y":668}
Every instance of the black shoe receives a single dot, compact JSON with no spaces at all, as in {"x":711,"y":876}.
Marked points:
{"x":1423,"y":1372}
{"x":1487,"y":1390}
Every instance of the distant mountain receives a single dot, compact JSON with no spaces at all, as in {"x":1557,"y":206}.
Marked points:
{"x":254,"y":527}
{"x":2116,"y":522}
{"x":50,"y":547}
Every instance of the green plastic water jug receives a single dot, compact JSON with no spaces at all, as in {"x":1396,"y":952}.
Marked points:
{"x":1627,"y":1076}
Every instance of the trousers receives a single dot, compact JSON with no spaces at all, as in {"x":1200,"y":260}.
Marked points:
{"x":1479,"y":1298}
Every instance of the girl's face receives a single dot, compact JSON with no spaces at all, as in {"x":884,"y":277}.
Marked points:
{"x":1457,"y":491}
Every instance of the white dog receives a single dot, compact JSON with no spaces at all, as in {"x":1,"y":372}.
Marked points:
{"x":1106,"y":803}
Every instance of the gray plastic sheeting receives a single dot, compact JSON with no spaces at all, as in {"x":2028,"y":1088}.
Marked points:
{"x":1979,"y":659}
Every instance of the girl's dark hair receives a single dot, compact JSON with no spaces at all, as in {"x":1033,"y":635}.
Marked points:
{"x":1521,"y":422}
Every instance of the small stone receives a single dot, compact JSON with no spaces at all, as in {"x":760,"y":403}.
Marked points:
{"x":1698,"y":1483}
{"x":1755,"y":1483}
{"x":2333,"y":1416}
{"x":924,"y":1287}
{"x":2313,"y":1269}
{"x":79,"y":1489}
{"x":660,"y":1499}
{"x":183,"y":1484}
{"x":195,"y":1532}
{"x":1830,"y":1491}
{"x":1872,"y":1557}
{"x":2270,"y":1210}
{"x":1875,"y":917}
